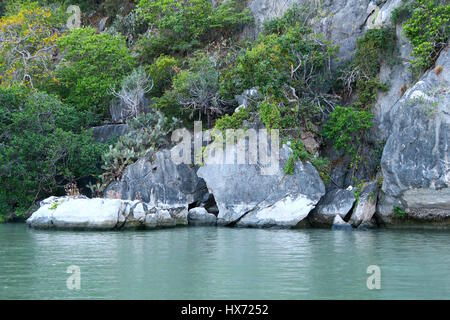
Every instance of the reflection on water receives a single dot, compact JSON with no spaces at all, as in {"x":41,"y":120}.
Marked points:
{"x":221,"y":263}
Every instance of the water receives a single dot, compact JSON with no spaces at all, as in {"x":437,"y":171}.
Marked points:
{"x":221,"y":263}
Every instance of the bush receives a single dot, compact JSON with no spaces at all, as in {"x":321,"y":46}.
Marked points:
{"x":92,"y":65}
{"x":197,"y":89}
{"x":373,"y":48}
{"x":270,"y":114}
{"x":147,"y":133}
{"x":428,"y":30}
{"x":235,"y":121}
{"x":179,"y":27}
{"x":162,"y":72}
{"x":346,"y":128}
{"x":287,"y":60}
{"x":299,"y":153}
{"x":43,"y":146}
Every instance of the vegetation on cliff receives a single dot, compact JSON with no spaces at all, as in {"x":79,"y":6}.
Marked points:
{"x":167,"y":63}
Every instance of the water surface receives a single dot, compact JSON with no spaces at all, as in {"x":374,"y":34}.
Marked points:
{"x":222,"y":263}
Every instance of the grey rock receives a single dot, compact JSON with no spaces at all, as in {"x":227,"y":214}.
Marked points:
{"x":201,"y":217}
{"x":68,"y":213}
{"x":158,"y":180}
{"x":341,"y":21}
{"x":336,"y":202}
{"x":251,"y":199}
{"x":367,"y":204}
{"x":415,"y":162}
{"x":340,"y":224}
{"x":120,"y":112}
{"x":109,"y":132}
{"x":248,"y":96}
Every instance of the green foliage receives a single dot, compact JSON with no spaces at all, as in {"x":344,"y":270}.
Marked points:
{"x":346,"y":128}
{"x":182,"y":26}
{"x":235,"y":121}
{"x":299,"y":153}
{"x":148,"y":132}
{"x":428,"y":30}
{"x":27,"y":40}
{"x":162,"y":72}
{"x":92,"y":65}
{"x":270,"y":114}
{"x":197,"y":88}
{"x":373,"y":48}
{"x":403,"y":12}
{"x":399,"y":212}
{"x":42,"y":147}
{"x":286,"y":56}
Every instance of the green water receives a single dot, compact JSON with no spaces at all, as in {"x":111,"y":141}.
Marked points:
{"x":221,"y":263}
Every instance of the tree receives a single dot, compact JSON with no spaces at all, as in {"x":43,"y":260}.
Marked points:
{"x":43,"y":146}
{"x":92,"y":64}
{"x":27,"y":45}
{"x":197,"y":89}
{"x":132,"y":93}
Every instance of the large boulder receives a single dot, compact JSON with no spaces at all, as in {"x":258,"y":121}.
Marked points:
{"x":201,"y":217}
{"x":156,"y":179}
{"x":415,"y":162}
{"x":68,"y":213}
{"x":340,"y":224}
{"x":336,"y":202}
{"x":365,"y":209}
{"x":247,"y":197}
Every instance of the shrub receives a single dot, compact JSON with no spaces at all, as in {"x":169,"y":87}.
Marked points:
{"x":43,"y":146}
{"x":132,"y":93}
{"x":162,"y":72}
{"x":299,"y":153}
{"x":373,"y":48}
{"x":147,"y":133}
{"x":270,"y":114}
{"x":197,"y":89}
{"x":181,"y":26}
{"x":428,"y":30}
{"x":346,"y":127}
{"x":92,"y":65}
{"x":235,"y":121}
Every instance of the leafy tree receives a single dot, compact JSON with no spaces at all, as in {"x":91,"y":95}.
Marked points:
{"x":43,"y":146}
{"x":92,"y":65}
{"x":181,"y":26}
{"x":27,"y":43}
{"x":197,"y":89}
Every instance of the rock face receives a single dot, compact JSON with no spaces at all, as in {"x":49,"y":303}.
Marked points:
{"x":158,"y":180}
{"x":110,"y":131}
{"x":365,"y":209}
{"x":340,"y":224}
{"x":342,"y":21}
{"x":103,"y":214}
{"x":201,"y":217}
{"x":415,"y":162}
{"x":250,"y":199}
{"x":336,"y":202}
